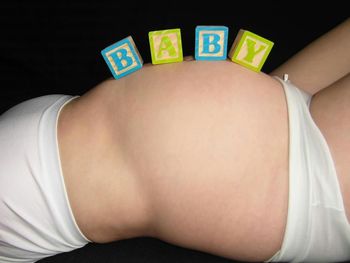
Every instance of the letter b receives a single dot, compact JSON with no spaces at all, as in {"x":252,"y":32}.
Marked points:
{"x":211,"y":43}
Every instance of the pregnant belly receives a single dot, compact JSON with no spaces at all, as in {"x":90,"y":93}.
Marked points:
{"x":209,"y":141}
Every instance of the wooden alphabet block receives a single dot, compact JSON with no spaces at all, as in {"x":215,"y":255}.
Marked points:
{"x":166,"y":46}
{"x":122,"y":57}
{"x":211,"y":43}
{"x":250,"y":50}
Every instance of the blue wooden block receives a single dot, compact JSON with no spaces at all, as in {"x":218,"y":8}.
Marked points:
{"x":122,"y":57}
{"x":211,"y":43}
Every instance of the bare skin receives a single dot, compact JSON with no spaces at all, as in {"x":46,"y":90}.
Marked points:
{"x":322,"y":62}
{"x":193,"y":153}
{"x":331,"y":112}
{"x":323,"y":70}
{"x":201,"y":150}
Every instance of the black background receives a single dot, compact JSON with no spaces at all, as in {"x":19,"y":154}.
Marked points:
{"x":54,"y":47}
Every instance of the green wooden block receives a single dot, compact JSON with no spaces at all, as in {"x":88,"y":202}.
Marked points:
{"x":250,"y":50}
{"x":166,"y":46}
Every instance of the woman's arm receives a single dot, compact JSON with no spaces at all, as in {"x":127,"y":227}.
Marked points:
{"x":322,"y":62}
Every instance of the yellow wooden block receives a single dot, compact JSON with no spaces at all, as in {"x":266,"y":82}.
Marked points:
{"x":250,"y":50}
{"x":166,"y":46}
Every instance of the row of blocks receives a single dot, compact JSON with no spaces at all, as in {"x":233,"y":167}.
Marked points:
{"x":248,"y":49}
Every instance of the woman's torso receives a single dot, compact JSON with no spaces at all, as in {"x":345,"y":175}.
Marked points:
{"x":198,"y":149}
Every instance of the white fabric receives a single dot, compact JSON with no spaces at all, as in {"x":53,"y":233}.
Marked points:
{"x":317,"y":227}
{"x":36,"y":220}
